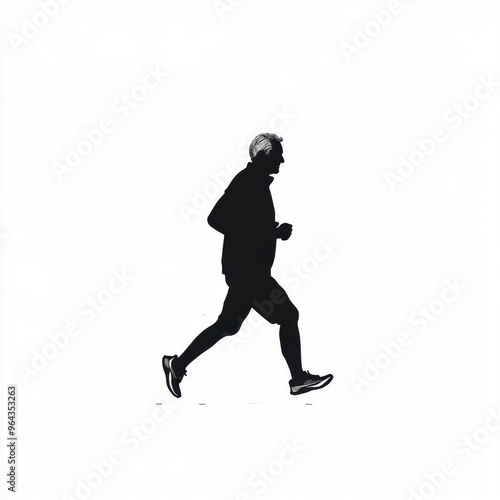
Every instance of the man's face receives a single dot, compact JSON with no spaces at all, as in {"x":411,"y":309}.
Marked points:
{"x":275,"y":158}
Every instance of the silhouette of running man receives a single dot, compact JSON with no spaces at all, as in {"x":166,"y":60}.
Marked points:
{"x":245,"y":216}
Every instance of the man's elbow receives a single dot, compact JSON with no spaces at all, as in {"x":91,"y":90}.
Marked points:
{"x":215,"y":224}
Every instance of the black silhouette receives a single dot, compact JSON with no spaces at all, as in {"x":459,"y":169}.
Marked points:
{"x":245,"y":216}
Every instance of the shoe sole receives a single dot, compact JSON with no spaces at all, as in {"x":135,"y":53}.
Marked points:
{"x":168,"y":373}
{"x":309,"y":388}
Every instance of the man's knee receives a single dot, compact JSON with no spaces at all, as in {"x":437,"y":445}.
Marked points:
{"x":294,"y":314}
{"x":229,"y":326}
{"x":288,"y":315}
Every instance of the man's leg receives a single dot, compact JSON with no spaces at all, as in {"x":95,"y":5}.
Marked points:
{"x":272,"y":303}
{"x":290,"y":347}
{"x":235,"y":310}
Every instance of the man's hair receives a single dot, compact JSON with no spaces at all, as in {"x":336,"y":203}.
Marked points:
{"x":263,"y":142}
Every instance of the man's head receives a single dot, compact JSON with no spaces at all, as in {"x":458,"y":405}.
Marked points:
{"x":266,"y":152}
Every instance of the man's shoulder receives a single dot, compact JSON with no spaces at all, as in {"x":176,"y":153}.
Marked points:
{"x":240,"y":180}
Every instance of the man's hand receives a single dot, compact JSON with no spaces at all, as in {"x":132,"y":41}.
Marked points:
{"x":284,"y":231}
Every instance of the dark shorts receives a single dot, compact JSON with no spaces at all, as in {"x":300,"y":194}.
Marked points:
{"x":264,"y":294}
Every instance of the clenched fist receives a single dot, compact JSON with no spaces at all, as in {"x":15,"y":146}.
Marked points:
{"x":284,"y":231}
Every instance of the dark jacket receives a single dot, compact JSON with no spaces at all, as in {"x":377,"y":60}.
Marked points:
{"x":245,"y":216}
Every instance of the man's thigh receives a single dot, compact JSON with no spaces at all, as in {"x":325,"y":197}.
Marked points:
{"x":271,"y":301}
{"x":237,"y":305}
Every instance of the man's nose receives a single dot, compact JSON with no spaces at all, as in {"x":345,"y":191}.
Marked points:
{"x":282,"y":160}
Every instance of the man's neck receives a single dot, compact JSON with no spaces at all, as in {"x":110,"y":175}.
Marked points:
{"x":258,"y":169}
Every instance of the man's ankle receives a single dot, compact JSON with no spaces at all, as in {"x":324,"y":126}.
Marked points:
{"x":177,"y":367}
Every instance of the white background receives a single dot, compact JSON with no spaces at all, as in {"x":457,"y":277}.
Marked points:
{"x":230,"y":73}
